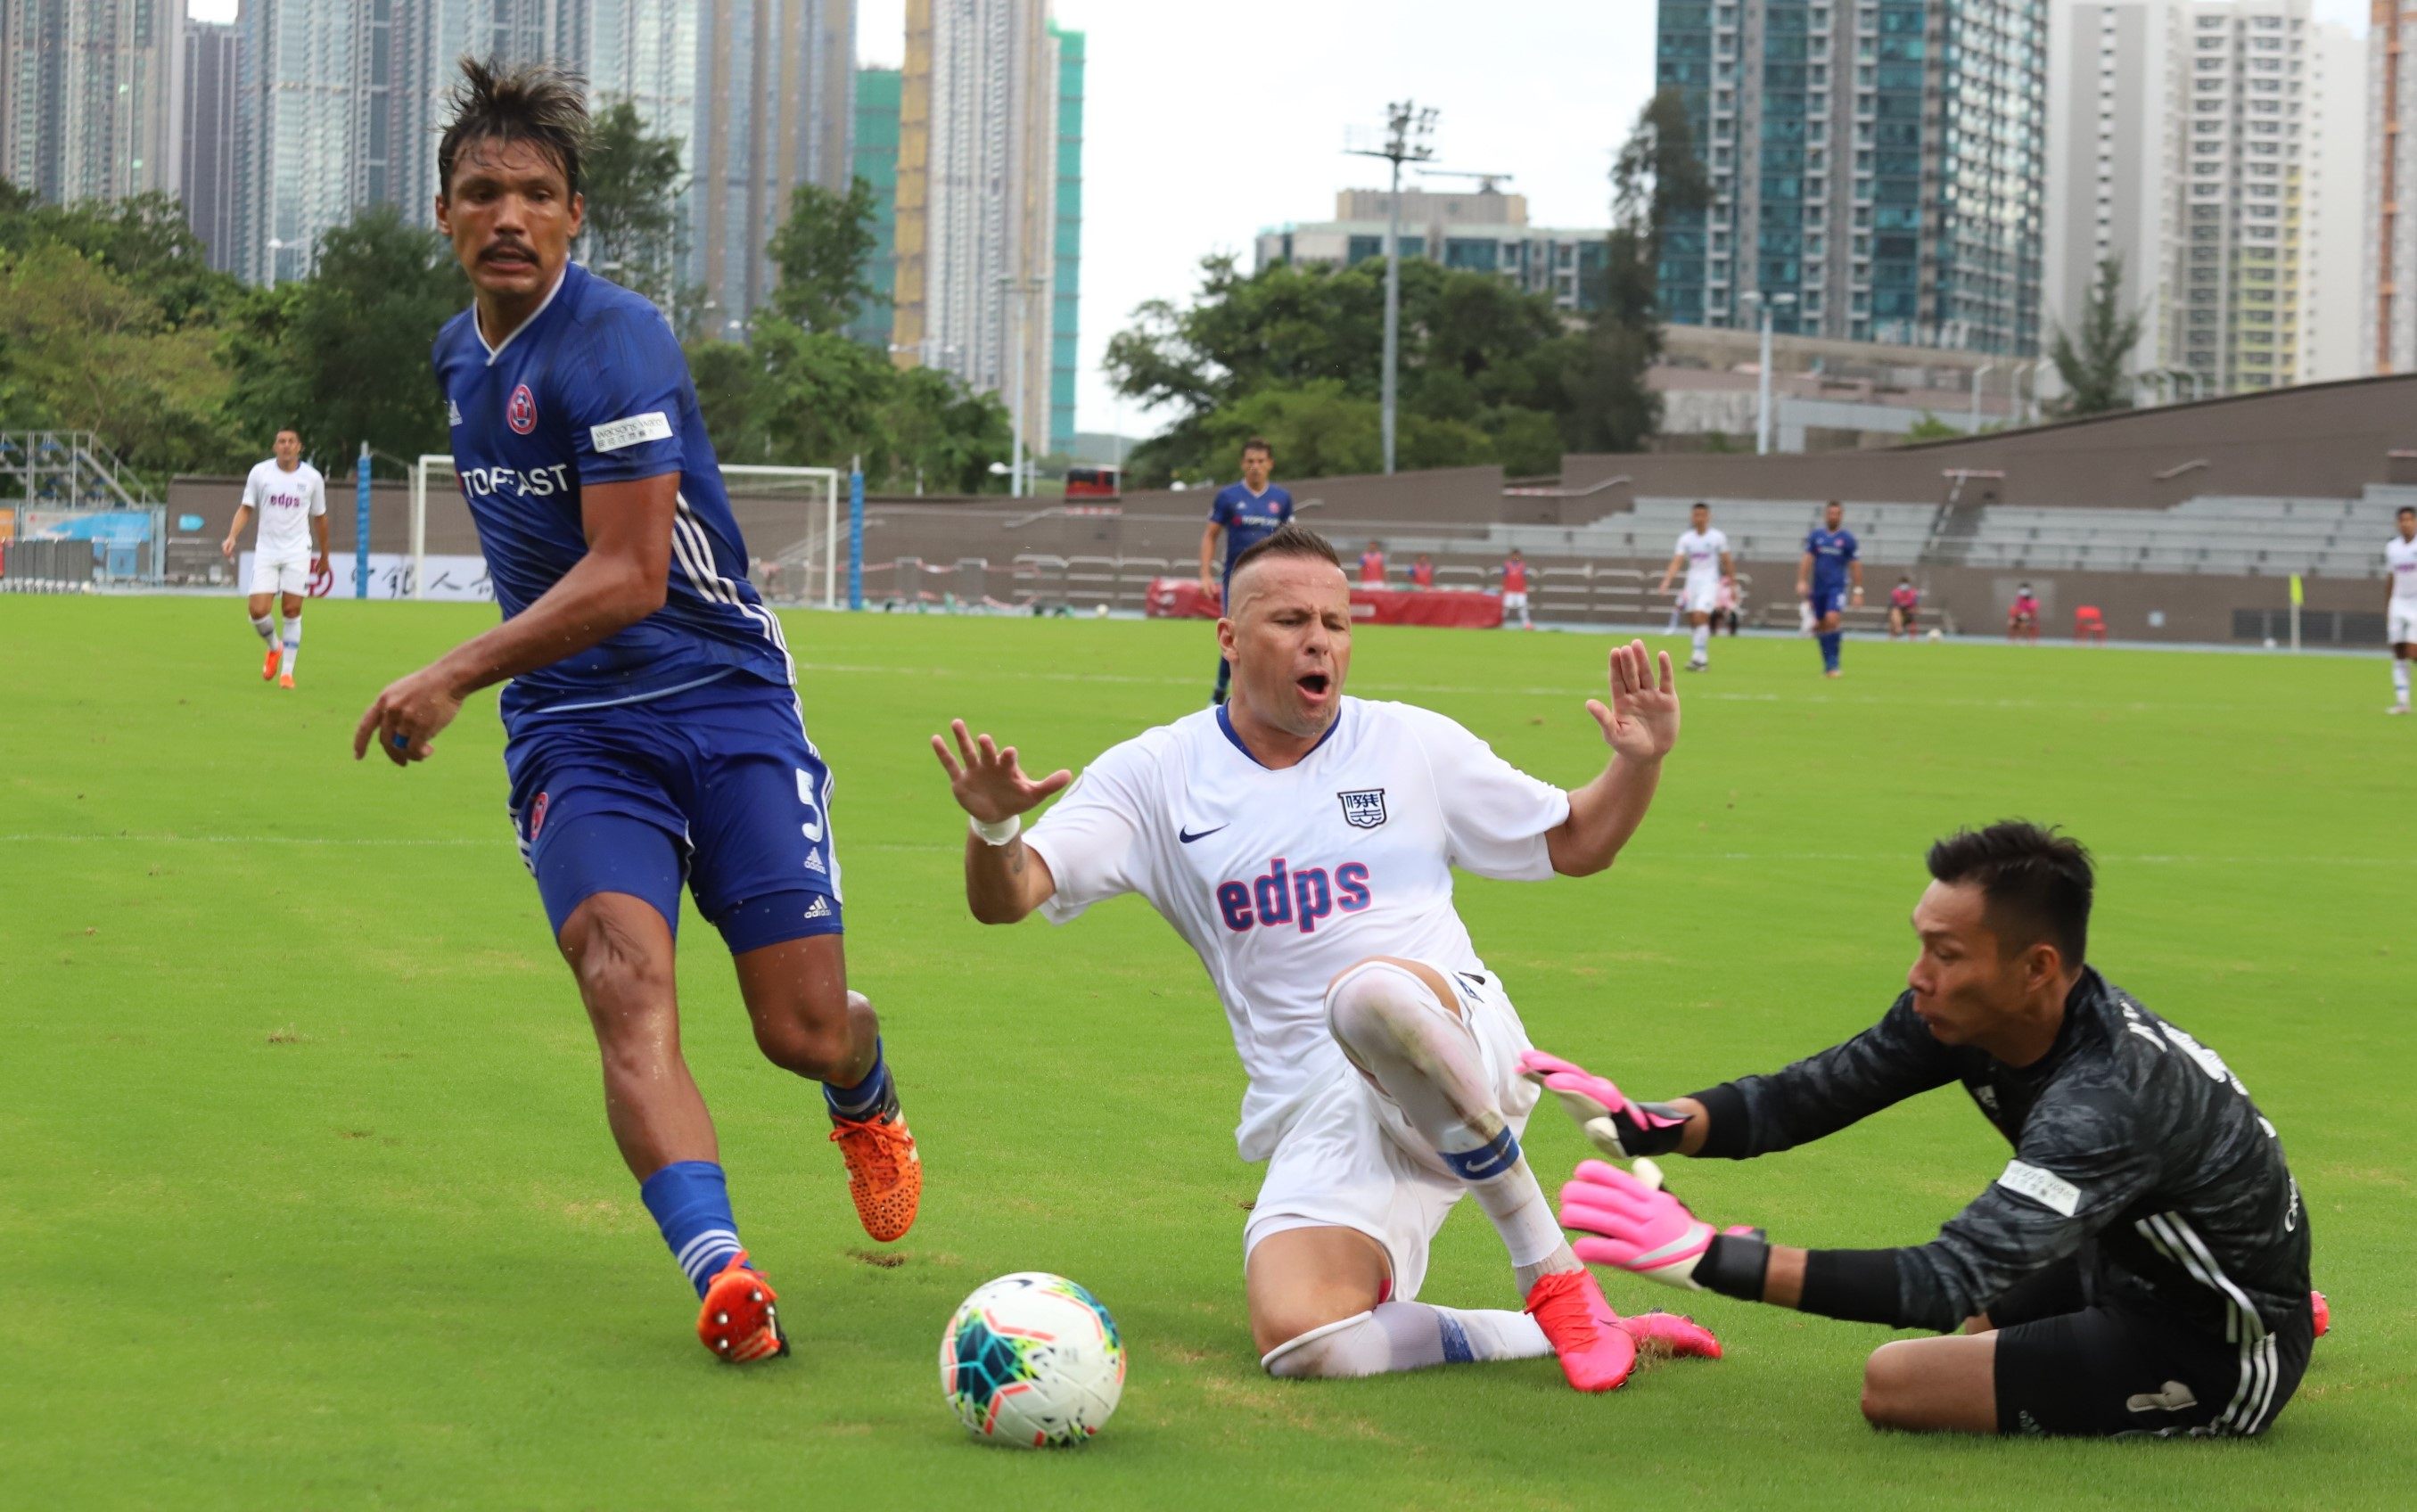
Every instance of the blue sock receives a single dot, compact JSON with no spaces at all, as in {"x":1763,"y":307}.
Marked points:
{"x":1830,"y":650}
{"x":864,"y":1100}
{"x":691,"y":1202}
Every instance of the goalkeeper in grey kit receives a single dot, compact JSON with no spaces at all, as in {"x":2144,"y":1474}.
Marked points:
{"x":2140,"y":1266}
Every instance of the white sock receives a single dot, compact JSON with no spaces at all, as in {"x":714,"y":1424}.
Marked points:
{"x":2400,"y":678}
{"x":1405,"y":1336}
{"x":293,"y":646}
{"x":266,"y":627}
{"x":1703,"y":643}
{"x":1389,"y":1024}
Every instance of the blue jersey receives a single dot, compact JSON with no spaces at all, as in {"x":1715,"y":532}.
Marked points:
{"x":1831,"y":549}
{"x":593,"y":388}
{"x":1248,"y":517}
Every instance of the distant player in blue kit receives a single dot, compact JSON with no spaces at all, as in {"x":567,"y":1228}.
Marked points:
{"x":1243,"y":514}
{"x":653,"y":733}
{"x":1823,"y":578}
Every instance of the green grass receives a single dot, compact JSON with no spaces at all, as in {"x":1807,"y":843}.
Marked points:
{"x":306,"y":1198}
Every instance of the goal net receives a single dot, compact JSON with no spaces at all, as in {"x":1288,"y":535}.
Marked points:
{"x":788,"y":515}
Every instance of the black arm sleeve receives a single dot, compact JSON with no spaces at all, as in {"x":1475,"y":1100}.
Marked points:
{"x":1891,"y":1060}
{"x":2082,"y":1160}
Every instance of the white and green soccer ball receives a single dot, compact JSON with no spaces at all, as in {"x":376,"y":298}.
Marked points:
{"x":1032,"y":1360}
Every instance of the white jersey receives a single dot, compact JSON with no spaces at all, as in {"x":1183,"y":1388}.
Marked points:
{"x":1703,"y":550}
{"x":1281,"y":879}
{"x":2400,"y":559}
{"x":286,"y":502}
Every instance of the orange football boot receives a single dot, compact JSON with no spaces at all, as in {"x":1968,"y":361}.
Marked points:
{"x":268,"y":668}
{"x":885,"y":1175}
{"x":286,"y":681}
{"x":738,"y":1322}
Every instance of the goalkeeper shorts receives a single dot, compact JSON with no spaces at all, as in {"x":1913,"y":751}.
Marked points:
{"x":2124,"y":1368}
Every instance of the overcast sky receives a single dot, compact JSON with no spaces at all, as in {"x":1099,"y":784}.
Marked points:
{"x":1205,"y":123}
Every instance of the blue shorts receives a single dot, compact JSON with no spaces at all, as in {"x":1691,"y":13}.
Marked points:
{"x":1826,"y":601}
{"x":716,"y":786}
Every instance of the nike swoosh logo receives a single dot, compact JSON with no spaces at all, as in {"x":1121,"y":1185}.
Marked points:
{"x":1187,"y":836}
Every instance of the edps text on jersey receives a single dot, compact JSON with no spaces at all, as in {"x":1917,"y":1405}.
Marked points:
{"x":1279,"y":897}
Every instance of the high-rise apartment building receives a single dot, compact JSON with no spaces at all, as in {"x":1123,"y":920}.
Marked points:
{"x":877,"y":92}
{"x":1483,"y":231}
{"x":2388,"y":283}
{"x":341,"y":104}
{"x":775,"y":96}
{"x":1877,"y":167}
{"x":1066,"y":254}
{"x":978,"y":174}
{"x":305,"y":95}
{"x":89,"y":96}
{"x":2215,"y":149}
{"x":205,"y":182}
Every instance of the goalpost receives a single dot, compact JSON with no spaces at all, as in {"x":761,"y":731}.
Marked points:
{"x":790,"y":515}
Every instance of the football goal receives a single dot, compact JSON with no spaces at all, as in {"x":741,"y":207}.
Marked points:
{"x":789,"y":517}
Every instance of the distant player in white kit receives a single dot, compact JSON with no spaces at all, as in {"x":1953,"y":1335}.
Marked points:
{"x":1303,"y":843}
{"x":1705,"y":552}
{"x":2400,"y":615}
{"x":291,"y":499}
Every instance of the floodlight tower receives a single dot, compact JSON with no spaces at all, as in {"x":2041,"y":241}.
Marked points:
{"x":1407,"y":130}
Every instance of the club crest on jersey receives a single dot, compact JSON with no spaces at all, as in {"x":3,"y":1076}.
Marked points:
{"x":1363,"y":809}
{"x":520,"y":412}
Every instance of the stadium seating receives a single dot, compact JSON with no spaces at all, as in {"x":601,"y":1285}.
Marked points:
{"x":2222,"y":535}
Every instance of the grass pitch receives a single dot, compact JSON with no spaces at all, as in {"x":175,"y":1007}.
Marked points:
{"x":307,"y":1199}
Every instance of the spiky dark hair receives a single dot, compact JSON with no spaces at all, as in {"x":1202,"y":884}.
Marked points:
{"x":543,"y":106}
{"x":2036,"y":883}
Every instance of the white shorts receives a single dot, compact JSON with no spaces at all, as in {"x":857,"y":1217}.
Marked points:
{"x":1703,"y":600}
{"x":2402,"y":619}
{"x":281,"y":574}
{"x":1514,"y":600}
{"x":1351,"y":1160}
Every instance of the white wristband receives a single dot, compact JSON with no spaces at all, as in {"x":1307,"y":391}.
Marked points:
{"x":1000,"y":833}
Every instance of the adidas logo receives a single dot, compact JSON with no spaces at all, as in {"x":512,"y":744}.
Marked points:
{"x":452,"y":413}
{"x":820,"y":909}
{"x":814,"y":862}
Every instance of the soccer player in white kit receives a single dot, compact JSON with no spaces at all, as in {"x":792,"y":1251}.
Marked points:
{"x":291,"y":499}
{"x":1705,"y":552}
{"x":1303,"y":843}
{"x":2400,"y":615}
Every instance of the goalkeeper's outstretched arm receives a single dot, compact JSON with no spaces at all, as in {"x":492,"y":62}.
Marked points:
{"x":1894,"y":1059}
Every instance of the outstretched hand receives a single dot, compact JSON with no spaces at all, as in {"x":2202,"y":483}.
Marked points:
{"x":988,"y":783}
{"x":1641,"y":721}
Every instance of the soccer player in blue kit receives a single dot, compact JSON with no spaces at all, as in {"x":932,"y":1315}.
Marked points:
{"x":653,"y":732}
{"x":1244,"y":514}
{"x":1830,"y":562}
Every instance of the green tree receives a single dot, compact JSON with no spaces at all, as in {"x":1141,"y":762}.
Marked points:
{"x":631,"y":182}
{"x":1307,"y":340}
{"x":2097,"y":368}
{"x":822,"y":250}
{"x":940,"y":435}
{"x":1657,"y":181}
{"x":84,"y":347}
{"x":343,"y":353}
{"x":143,"y":239}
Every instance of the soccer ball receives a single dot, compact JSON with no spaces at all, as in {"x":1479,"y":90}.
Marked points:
{"x":1033,"y":1360}
{"x":1935,"y":636}
{"x":1102,"y":611}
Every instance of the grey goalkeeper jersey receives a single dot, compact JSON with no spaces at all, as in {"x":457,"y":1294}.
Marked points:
{"x":2136,"y":1150}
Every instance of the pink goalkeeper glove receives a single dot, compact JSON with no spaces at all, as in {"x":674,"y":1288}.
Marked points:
{"x":1616,"y":1126}
{"x":1623,"y":1221}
